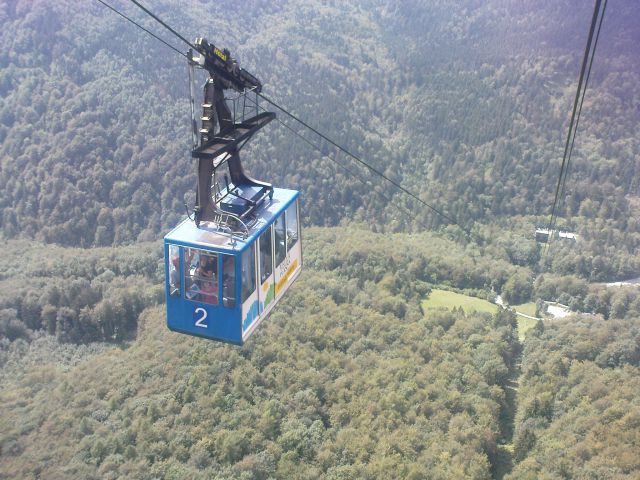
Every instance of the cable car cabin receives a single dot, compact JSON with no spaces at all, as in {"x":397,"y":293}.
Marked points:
{"x":220,"y":286}
{"x":230,"y":264}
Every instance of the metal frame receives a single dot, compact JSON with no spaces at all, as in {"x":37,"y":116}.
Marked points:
{"x":220,"y":138}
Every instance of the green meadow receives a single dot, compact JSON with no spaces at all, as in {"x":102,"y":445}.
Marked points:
{"x":444,"y":298}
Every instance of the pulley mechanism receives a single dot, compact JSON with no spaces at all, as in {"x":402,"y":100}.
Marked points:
{"x":229,"y":201}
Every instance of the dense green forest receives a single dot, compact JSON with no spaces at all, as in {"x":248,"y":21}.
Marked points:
{"x":451,"y":99}
{"x":465,"y":103}
{"x":347,"y":379}
{"x":78,"y":296}
{"x":579,"y":410}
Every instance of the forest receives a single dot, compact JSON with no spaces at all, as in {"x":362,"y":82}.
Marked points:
{"x":348,"y":379}
{"x":579,"y":415}
{"x":464,"y":103}
{"x":94,"y":132}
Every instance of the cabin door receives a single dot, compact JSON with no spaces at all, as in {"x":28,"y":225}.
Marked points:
{"x":266,"y":291}
{"x":250,"y":305}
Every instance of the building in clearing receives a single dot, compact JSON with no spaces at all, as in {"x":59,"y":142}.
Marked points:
{"x":544,"y":234}
{"x":567,"y":235}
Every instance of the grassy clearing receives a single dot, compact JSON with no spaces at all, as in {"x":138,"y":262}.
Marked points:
{"x":524,"y":325}
{"x":526,"y":308}
{"x":444,"y":298}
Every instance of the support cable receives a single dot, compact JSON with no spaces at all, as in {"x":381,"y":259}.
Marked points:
{"x":365,"y":164}
{"x":157,"y":19}
{"x":388,"y":199}
{"x":141,"y":27}
{"x":586,"y":83}
{"x":321,"y":135}
{"x":577,"y":108}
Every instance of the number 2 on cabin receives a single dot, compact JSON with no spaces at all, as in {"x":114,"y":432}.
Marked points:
{"x":200,"y":315}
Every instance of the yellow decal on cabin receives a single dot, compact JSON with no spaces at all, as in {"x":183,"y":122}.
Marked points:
{"x":220,"y":54}
{"x":285,"y":278}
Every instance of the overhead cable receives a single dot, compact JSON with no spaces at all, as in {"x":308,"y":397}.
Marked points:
{"x":349,"y":171}
{"x":587,"y":63}
{"x":157,"y":19}
{"x":306,"y":125}
{"x":141,"y":27}
{"x":584,"y":90}
{"x":365,"y":164}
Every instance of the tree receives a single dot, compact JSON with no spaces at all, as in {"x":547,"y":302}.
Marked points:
{"x":518,"y":288}
{"x":66,"y":325}
{"x":10,"y":326}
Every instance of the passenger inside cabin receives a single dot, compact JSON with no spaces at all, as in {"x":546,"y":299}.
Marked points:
{"x":190,"y":261}
{"x":228,"y":281}
{"x":209,"y":292}
{"x":174,"y":271}
{"x":191,"y":283}
{"x":207,"y":266}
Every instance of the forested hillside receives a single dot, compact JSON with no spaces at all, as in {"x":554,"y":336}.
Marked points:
{"x":347,"y":379}
{"x":364,"y":396}
{"x":83,"y":295}
{"x":78,"y":295}
{"x":466,"y":103}
{"x":579,"y":408}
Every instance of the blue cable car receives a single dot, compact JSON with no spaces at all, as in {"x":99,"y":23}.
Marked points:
{"x":228,"y":265}
{"x":220,"y":286}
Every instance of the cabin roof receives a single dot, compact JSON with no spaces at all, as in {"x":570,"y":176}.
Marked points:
{"x":207,"y":235}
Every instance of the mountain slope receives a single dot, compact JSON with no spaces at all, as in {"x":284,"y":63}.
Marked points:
{"x":464,"y":103}
{"x":345,"y":379}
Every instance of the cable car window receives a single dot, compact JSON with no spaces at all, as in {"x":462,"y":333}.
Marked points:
{"x":280,"y":233}
{"x":201,"y":276}
{"x":292,"y":225}
{"x":174,"y":270}
{"x":228,"y":281}
{"x":248,"y":272}
{"x":266,"y":256}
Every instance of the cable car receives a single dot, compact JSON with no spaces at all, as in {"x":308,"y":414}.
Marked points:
{"x":228,"y":266}
{"x":220,"y":286}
